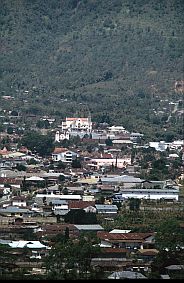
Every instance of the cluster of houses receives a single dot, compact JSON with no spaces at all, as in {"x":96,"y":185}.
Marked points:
{"x":36,"y":201}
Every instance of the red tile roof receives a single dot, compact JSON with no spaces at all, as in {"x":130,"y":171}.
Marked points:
{"x":59,"y":150}
{"x":123,"y":236}
{"x":7,"y":180}
{"x":80,"y":204}
{"x":4,"y":151}
{"x":57,"y":227}
{"x":148,"y":252}
{"x":23,"y":149}
{"x":107,"y":155}
{"x":114,"y":250}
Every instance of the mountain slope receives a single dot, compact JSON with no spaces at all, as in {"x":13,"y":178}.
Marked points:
{"x":107,"y":54}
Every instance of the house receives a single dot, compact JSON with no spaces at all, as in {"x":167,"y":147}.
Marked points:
{"x":10,"y":182}
{"x":50,"y":197}
{"x":147,"y":255}
{"x":177,"y":145}
{"x":19,"y":201}
{"x":36,"y":249}
{"x":132,"y":241}
{"x":110,"y":161}
{"x":108,"y":189}
{"x":59,"y":204}
{"x":114,"y":253}
{"x":63,"y":154}
{"x":107,"y":209}
{"x":135,"y":137}
{"x":159,"y":146}
{"x":87,"y":206}
{"x":15,"y":211}
{"x":51,"y":230}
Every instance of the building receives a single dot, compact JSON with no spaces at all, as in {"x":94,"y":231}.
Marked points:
{"x":63,"y":154}
{"x":131,"y":241}
{"x":77,"y":124}
{"x":19,"y":201}
{"x":154,"y":194}
{"x":116,"y":162}
{"x":135,"y":137}
{"x":50,"y":197}
{"x":63,"y":135}
{"x":159,"y":146}
{"x":107,"y":209}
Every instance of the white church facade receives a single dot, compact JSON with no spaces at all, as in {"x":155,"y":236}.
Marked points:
{"x":80,"y":124}
{"x":71,"y":125}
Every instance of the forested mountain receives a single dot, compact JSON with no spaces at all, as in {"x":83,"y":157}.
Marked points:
{"x":118,"y":57}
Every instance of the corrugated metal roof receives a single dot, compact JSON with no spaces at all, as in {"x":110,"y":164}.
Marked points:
{"x":14,"y":209}
{"x":106,"y":206}
{"x":89,"y":227}
{"x":127,"y":275}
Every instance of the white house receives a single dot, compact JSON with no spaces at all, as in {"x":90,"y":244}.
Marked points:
{"x":117,"y":129}
{"x":179,"y":144}
{"x":59,"y":204}
{"x":63,"y":154}
{"x":135,"y":136}
{"x":77,"y":124}
{"x":159,"y":146}
{"x":51,"y":197}
{"x":19,"y":201}
{"x":117,"y":162}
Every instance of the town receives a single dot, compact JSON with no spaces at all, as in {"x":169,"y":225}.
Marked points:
{"x":110,"y":199}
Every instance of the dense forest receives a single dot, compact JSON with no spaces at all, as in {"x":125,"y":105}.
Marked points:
{"x":118,"y":59}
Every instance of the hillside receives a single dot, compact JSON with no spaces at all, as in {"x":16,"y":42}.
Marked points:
{"x":118,"y":57}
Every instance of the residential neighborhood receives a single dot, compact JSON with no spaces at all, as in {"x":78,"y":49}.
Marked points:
{"x":105,"y":184}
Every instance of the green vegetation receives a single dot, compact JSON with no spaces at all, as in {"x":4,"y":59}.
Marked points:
{"x":79,"y":216}
{"x":169,"y":241}
{"x":145,"y":219}
{"x":72,"y":259}
{"x":38,"y":143}
{"x":62,"y":58}
{"x":169,"y":235}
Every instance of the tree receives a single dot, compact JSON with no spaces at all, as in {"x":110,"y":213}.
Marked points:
{"x":79,"y":216}
{"x":21,"y":167}
{"x":65,"y":191}
{"x":76,"y":163}
{"x":14,"y":113}
{"x":10,"y":130}
{"x":134,"y":204}
{"x":61,"y":178}
{"x":67,"y":233}
{"x":43,"y":124}
{"x":108,"y":142}
{"x":61,"y":165}
{"x":71,"y":259}
{"x":169,"y":236}
{"x":42,"y":144}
